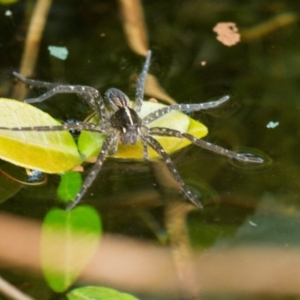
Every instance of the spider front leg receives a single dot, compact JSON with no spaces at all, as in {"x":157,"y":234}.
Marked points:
{"x":74,"y":126}
{"x":160,"y":150}
{"x":183,"y":107}
{"x":97,"y":104}
{"x":94,"y":171}
{"x":55,"y":88}
{"x":89,"y":94}
{"x":139,"y":94}
{"x":33,"y":82}
{"x":206,"y":145}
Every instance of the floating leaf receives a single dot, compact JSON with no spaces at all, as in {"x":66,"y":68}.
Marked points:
{"x":89,"y":143}
{"x":69,"y":240}
{"x":94,"y":292}
{"x":58,"y":52}
{"x":50,"y":152}
{"x":69,"y":186}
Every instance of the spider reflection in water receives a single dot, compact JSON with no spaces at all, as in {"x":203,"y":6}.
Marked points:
{"x":122,"y":124}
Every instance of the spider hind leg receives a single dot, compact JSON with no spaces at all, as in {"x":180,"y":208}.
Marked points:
{"x":153,"y":143}
{"x":206,"y":145}
{"x":184,"y":108}
{"x":33,"y":82}
{"x":93,"y":172}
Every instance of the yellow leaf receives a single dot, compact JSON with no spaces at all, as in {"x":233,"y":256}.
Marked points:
{"x":50,"y":152}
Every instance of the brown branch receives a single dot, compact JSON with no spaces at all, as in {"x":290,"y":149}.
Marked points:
{"x":142,"y":267}
{"x":32,"y":44}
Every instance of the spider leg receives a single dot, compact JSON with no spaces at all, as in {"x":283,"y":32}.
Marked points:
{"x":33,"y":82}
{"x":159,"y":149}
{"x":183,"y":107}
{"x":64,"y":127}
{"x":89,"y":94}
{"x":56,"y":88}
{"x":97,"y":104}
{"x":143,"y":133}
{"x":139,"y":94}
{"x":60,"y":89}
{"x":145,"y":148}
{"x":114,"y":145}
{"x":206,"y":145}
{"x":94,"y":171}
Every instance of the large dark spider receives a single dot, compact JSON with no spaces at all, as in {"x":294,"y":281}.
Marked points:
{"x":122,"y":124}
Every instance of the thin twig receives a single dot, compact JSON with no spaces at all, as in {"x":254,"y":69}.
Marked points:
{"x":176,"y":215}
{"x":134,"y":25}
{"x":11,"y":291}
{"x":32,"y":43}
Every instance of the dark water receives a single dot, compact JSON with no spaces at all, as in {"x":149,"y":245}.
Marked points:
{"x":262,"y":75}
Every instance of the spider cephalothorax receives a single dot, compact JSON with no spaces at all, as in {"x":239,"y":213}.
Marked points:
{"x":124,"y":119}
{"x":121,"y":123}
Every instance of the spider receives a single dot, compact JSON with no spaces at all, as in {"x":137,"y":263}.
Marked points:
{"x":121,"y":124}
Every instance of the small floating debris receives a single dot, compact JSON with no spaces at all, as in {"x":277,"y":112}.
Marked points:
{"x":272,"y":124}
{"x":227,"y":33}
{"x":58,"y":52}
{"x":252,"y":223}
{"x":8,"y":13}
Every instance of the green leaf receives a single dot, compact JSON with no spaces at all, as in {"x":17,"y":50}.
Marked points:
{"x":50,"y":152}
{"x":95,"y":293}
{"x":69,"y":240}
{"x":69,"y":186}
{"x":89,"y":143}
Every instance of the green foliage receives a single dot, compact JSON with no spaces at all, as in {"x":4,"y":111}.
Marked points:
{"x":69,"y":240}
{"x":69,"y":186}
{"x":93,"y":292}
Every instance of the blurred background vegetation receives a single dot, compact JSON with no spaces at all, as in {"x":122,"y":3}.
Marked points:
{"x":261,"y":73}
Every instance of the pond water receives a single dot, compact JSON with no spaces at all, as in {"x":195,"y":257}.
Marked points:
{"x":245,"y":206}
